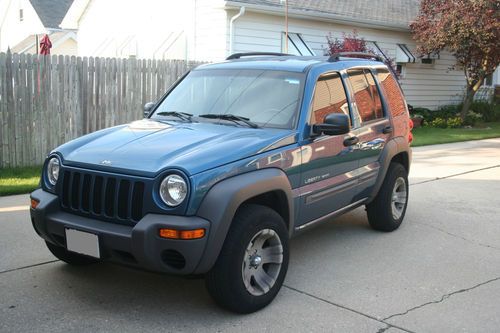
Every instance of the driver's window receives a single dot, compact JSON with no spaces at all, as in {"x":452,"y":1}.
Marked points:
{"x":329,"y":97}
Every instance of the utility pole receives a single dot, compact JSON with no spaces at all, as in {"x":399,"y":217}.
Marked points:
{"x":286,"y":26}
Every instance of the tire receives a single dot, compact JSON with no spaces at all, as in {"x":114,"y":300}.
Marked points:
{"x":384,"y":213}
{"x":69,"y":257}
{"x":237,"y":281}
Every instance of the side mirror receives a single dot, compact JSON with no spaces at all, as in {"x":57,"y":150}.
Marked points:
{"x":147,"y":108}
{"x":333,"y":124}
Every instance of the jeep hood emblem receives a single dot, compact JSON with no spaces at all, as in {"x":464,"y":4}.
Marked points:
{"x":106,"y":162}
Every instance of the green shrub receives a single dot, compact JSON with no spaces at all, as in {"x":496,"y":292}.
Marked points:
{"x":489,"y":111}
{"x":439,"y":123}
{"x":424,"y":112}
{"x":472,"y":118}
{"x":447,"y":111}
{"x":481,"y":111}
{"x":496,"y":112}
{"x":454,"y":122}
{"x":444,"y":112}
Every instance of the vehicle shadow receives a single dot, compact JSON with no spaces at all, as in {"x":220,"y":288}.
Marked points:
{"x":117,"y":289}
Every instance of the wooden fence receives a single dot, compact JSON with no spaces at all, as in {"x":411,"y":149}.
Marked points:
{"x":48,"y":100}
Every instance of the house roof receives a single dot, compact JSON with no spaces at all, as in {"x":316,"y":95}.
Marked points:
{"x":389,"y":13}
{"x":51,"y":12}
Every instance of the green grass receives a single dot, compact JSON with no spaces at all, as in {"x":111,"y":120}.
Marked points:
{"x":424,"y":136}
{"x":19,"y":180}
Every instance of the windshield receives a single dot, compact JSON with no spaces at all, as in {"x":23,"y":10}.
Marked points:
{"x":266,"y":98}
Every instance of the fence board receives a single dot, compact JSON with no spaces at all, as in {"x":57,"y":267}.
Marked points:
{"x":48,"y":100}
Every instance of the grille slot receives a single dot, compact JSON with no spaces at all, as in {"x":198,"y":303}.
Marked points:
{"x":101,"y":196}
{"x":137,"y":196}
{"x":109,"y":199}
{"x":75,"y":190}
{"x":123,"y":199}
{"x":97,"y":192}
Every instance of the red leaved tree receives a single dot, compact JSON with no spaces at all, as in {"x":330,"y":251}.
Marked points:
{"x":348,"y":43}
{"x":351,"y":42}
{"x":469,"y":29}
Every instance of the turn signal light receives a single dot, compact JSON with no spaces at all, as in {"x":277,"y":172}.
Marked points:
{"x":182,"y":234}
{"x":34,"y":203}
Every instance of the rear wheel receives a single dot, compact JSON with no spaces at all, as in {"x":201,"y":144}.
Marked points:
{"x":387,"y":210}
{"x":253,"y":261}
{"x":69,"y":257}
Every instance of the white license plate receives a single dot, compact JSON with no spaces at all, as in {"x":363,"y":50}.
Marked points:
{"x":82,"y":242}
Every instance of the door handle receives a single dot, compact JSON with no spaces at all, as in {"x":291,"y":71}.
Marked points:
{"x":387,"y":130}
{"x":352,"y":140}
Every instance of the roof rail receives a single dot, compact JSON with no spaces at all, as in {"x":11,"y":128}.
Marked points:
{"x":336,"y":56}
{"x":249,"y":54}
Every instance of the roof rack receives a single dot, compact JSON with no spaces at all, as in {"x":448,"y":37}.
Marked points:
{"x":249,"y":54}
{"x":365,"y":55}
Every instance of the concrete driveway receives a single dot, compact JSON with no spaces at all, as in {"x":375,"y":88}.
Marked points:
{"x":440,"y":272}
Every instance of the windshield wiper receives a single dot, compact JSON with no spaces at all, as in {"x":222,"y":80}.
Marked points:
{"x":182,"y":115}
{"x":231,"y":117}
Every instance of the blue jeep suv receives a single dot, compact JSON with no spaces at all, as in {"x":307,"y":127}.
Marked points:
{"x":235,"y":159}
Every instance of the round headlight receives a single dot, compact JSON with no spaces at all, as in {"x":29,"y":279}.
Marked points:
{"x":173,"y":190}
{"x":53,"y":170}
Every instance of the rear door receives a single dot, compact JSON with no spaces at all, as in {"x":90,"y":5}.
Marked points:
{"x":372,"y":126}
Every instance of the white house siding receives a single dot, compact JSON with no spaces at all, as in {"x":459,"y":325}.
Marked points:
{"x":67,"y":47}
{"x":12,"y":29}
{"x":144,"y":29}
{"x":424,"y":85}
{"x":210,"y":26}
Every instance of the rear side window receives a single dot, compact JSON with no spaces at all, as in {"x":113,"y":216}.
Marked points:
{"x":329,"y":97}
{"x":393,"y":96}
{"x":365,"y":94}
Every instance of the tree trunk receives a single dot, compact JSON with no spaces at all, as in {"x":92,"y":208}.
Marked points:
{"x":469,"y":98}
{"x":469,"y":95}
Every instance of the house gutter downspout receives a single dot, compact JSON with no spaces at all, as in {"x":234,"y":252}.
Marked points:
{"x":231,"y":28}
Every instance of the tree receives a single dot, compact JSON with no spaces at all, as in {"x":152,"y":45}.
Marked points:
{"x":469,"y":29}
{"x":351,"y":42}
{"x":348,"y":43}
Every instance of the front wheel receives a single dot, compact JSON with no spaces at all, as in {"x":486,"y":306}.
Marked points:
{"x":253,"y":261}
{"x":387,"y":210}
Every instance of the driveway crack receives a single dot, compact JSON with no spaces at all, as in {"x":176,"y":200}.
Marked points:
{"x":444,"y":297}
{"x":29,"y":266}
{"x":454,"y":175}
{"x":383,"y":329}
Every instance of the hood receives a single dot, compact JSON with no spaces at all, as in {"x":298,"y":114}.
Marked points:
{"x":146,"y":147}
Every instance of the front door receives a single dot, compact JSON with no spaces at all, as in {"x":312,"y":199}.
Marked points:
{"x":327,"y":182}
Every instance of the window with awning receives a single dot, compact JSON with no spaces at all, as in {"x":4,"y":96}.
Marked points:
{"x":404,"y":55}
{"x":296,"y":45}
{"x":375,"y":48}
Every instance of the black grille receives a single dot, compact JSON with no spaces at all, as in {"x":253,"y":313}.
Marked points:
{"x":102,"y":196}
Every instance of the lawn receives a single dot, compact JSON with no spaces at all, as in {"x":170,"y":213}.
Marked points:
{"x":424,"y":136}
{"x":19,"y":180}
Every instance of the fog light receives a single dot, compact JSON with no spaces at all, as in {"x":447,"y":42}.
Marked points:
{"x":182,"y":234}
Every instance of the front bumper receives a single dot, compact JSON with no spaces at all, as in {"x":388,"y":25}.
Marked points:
{"x":138,"y":245}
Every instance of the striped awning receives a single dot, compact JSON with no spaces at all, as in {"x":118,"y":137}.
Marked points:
{"x":404,"y":55}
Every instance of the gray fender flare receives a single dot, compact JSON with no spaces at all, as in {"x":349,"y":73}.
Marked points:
{"x":392,"y":148}
{"x":223,"y":199}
